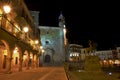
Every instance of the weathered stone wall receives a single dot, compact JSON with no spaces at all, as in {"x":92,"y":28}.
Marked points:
{"x":52,"y":38}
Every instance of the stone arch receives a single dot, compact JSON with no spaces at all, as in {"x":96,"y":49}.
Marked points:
{"x":17,"y":58}
{"x":7,"y":47}
{"x":48,"y":55}
{"x":5,"y":54}
{"x":50,"y":49}
{"x":47,"y":58}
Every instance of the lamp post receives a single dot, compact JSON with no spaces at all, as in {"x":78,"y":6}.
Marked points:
{"x":36,"y":41}
{"x":26,"y":30}
{"x":6,"y":10}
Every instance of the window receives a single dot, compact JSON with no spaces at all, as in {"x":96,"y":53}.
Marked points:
{"x":47,"y":42}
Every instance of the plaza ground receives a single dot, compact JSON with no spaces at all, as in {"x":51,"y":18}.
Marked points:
{"x":42,"y":73}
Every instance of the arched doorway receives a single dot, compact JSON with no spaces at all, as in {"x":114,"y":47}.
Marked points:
{"x":16,"y":57}
{"x":25,"y":59}
{"x":47,"y":58}
{"x":3,"y":55}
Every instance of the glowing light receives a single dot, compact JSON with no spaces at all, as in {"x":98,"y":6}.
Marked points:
{"x":104,"y":61}
{"x":4,"y":52}
{"x":25,"y":29}
{"x":36,"y":41}
{"x":7,"y":8}
{"x":41,"y":47}
{"x":116,"y":62}
{"x":30,"y":57}
{"x":110,"y":73}
{"x":110,"y":62}
{"x":64,"y":26}
{"x":15,"y":50}
{"x":70,"y":55}
{"x":43,"y":51}
{"x":24,"y":57}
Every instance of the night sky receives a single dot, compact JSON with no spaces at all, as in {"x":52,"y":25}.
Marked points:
{"x":98,"y":21}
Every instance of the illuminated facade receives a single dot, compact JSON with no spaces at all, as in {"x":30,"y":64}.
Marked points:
{"x":53,"y":40}
{"x":18,"y":47}
{"x":109,"y":58}
{"x":76,"y":53}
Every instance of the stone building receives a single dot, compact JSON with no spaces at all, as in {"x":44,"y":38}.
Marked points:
{"x":19,"y":44}
{"x":53,"y":41}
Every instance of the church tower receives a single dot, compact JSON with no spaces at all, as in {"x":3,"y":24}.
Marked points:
{"x":61,"y":20}
{"x":62,"y":27}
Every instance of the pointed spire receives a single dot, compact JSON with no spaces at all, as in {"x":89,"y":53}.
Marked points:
{"x":61,"y":20}
{"x":61,"y":15}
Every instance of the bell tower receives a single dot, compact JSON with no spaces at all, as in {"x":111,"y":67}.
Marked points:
{"x":61,"y":20}
{"x":61,"y":25}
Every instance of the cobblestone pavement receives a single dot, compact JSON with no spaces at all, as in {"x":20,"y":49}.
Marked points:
{"x":42,"y":73}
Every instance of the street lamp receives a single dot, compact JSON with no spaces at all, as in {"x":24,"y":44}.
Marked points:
{"x":6,"y":10}
{"x":42,"y":49}
{"x":36,"y":44}
{"x":26,"y":30}
{"x":36,"y":41}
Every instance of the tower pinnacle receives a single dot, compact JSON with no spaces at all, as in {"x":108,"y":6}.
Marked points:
{"x":61,"y":19}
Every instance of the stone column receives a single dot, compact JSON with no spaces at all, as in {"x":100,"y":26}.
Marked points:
{"x":33,"y":61}
{"x":20,"y":64}
{"x":36,"y":61}
{"x":28,"y":59}
{"x":9,"y":59}
{"x":20,"y":61}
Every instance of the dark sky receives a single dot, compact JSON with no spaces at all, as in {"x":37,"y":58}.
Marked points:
{"x":98,"y":21}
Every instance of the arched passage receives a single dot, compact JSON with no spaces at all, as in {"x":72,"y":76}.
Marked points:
{"x":25,"y":60}
{"x":4,"y":55}
{"x":48,"y":55}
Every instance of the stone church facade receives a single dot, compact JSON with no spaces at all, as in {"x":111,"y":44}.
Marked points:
{"x":53,"y":45}
{"x":53,"y":42}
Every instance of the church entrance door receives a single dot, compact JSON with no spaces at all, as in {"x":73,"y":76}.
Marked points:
{"x":47,"y":58}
